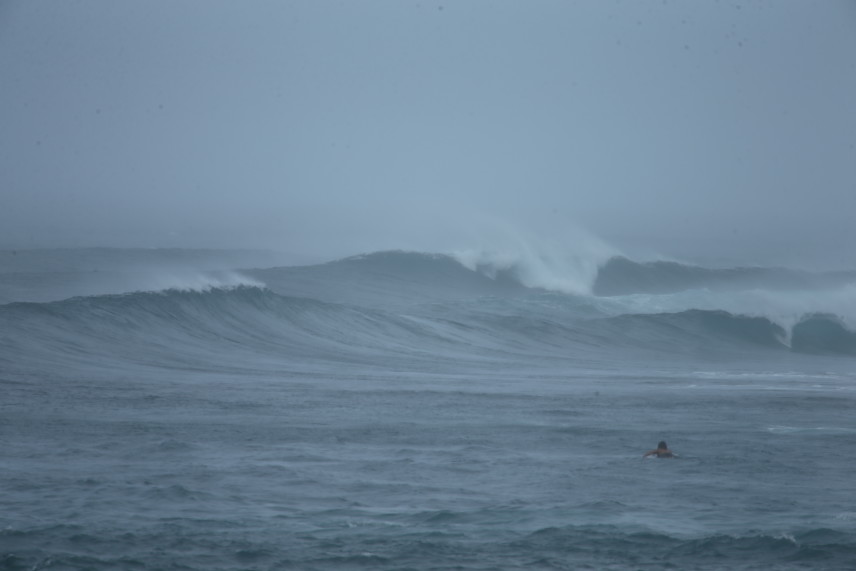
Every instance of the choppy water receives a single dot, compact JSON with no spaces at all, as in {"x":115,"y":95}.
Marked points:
{"x":401,"y":411}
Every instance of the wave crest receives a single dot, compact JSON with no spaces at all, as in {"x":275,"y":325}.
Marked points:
{"x":570,"y":269}
{"x":194,"y":281}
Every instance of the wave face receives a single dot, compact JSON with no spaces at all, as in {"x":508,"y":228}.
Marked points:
{"x":409,"y":304}
{"x":230,"y":328}
{"x":821,"y":333}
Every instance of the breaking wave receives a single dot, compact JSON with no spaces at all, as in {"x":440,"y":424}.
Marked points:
{"x":389,"y":307}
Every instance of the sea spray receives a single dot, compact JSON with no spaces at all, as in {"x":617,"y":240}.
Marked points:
{"x":541,"y":263}
{"x":193,"y":281}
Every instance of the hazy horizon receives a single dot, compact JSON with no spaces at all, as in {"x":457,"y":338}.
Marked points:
{"x":698,"y":131}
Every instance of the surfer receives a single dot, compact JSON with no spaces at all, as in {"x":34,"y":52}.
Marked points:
{"x":662,"y":451}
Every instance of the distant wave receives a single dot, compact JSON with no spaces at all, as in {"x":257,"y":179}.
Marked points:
{"x":42,"y":286}
{"x":426,"y":310}
{"x":777,"y":317}
{"x":621,"y":276}
{"x":385,"y":279}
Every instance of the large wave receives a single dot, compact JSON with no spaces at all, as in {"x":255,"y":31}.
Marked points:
{"x":246,"y":328}
{"x":754,"y":306}
{"x":570,"y":267}
{"x":209,"y":328}
{"x":433,"y":310}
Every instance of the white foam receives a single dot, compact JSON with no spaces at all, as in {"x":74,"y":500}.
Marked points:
{"x":195,"y":281}
{"x":568,"y":266}
{"x":787,"y":537}
{"x":785,"y":308}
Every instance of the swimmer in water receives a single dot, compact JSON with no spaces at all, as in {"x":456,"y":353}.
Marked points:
{"x":662,"y":451}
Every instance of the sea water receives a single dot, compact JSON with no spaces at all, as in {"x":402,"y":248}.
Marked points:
{"x":403,"y":411}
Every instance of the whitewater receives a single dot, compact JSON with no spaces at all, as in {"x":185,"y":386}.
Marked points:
{"x":405,"y":410}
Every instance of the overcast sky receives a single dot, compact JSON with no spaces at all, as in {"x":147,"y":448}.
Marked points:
{"x":331,"y":128}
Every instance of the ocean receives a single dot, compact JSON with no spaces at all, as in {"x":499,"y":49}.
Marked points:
{"x":411,"y":411}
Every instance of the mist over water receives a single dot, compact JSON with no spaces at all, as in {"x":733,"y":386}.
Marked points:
{"x":400,"y":285}
{"x":703,"y":133}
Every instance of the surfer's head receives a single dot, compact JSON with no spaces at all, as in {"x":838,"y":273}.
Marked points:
{"x":662,"y":445}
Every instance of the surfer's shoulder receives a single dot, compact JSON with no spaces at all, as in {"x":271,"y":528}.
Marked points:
{"x":662,"y":451}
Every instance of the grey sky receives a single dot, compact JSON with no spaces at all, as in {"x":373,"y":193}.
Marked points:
{"x":330,"y":128}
